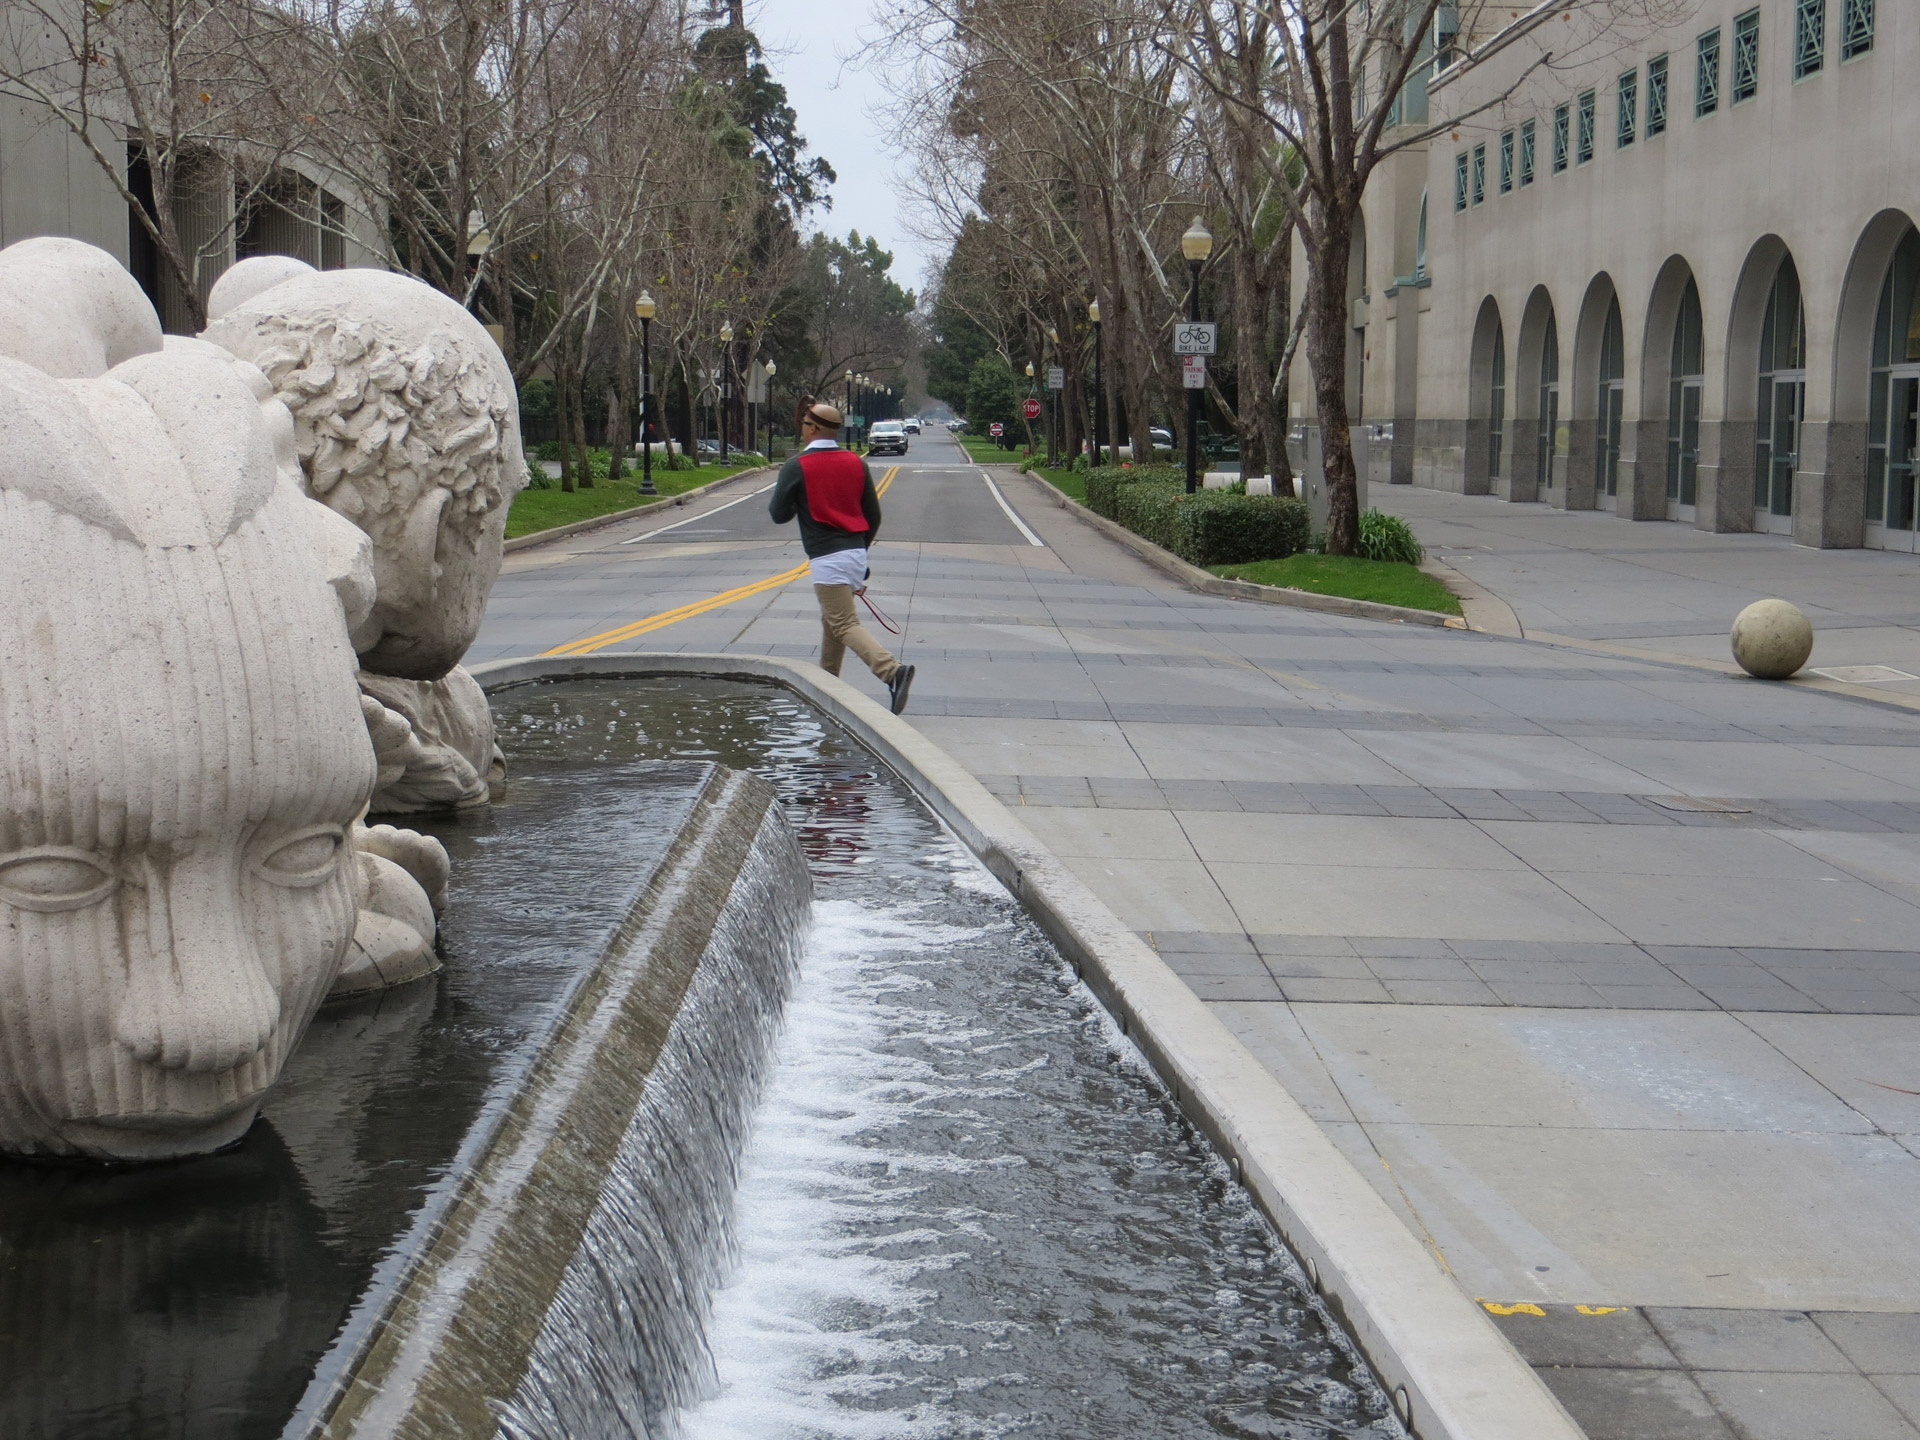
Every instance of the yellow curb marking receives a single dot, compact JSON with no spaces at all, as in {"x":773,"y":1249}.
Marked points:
{"x":698,"y":607}
{"x":1526,"y":1308}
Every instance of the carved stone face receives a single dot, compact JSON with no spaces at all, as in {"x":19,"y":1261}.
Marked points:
{"x":408,"y":424}
{"x":181,"y":755}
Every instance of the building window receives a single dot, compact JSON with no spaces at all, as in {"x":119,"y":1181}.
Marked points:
{"x":1809,"y":37}
{"x":1856,"y":28}
{"x":1479,"y":173}
{"x":1460,"y":181}
{"x":1497,"y":403}
{"x":1656,"y":96}
{"x":1526,"y":153}
{"x":1629,"y":120}
{"x":1686,"y":383}
{"x":1783,"y":394}
{"x":1506,"y":163}
{"x":1706,"y":75}
{"x":1547,"y":437}
{"x":1562,"y":126}
{"x":1613,"y":399}
{"x":1746,"y":56}
{"x":1583,"y":151}
{"x":1893,"y":427}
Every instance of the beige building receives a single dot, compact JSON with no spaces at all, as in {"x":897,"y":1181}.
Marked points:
{"x":1668,"y":272}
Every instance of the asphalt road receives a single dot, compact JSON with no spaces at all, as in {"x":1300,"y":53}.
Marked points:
{"x":940,"y":496}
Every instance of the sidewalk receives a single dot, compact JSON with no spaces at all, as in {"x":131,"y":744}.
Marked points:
{"x":1606,"y":971}
{"x":1665,"y":588}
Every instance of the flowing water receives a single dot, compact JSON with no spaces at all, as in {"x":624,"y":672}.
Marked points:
{"x":967,"y":1208}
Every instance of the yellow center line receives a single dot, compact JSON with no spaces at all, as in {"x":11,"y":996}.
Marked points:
{"x":698,"y":607}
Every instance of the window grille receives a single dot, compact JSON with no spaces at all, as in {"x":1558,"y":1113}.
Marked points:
{"x":1562,"y":127}
{"x":1460,"y":181}
{"x":1656,"y":96}
{"x":1856,"y":28}
{"x":1706,"y":75}
{"x":1526,"y":153}
{"x":1628,"y":124}
{"x":1809,"y":37}
{"x":1583,"y":146}
{"x":1479,"y":173}
{"x":1746,"y":56}
{"x":1506,"y":163}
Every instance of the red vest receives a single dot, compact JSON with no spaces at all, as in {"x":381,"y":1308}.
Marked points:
{"x":835,"y":480}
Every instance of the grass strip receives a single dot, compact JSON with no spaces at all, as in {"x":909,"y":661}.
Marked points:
{"x":1390,"y":582}
{"x":1069,"y":484}
{"x":986,"y":450}
{"x":537,"y":510}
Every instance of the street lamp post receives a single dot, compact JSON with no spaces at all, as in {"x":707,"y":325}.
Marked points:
{"x":644,"y":308}
{"x":1053,"y":403}
{"x":726,"y":382}
{"x":1099,"y":387}
{"x":1196,"y":245}
{"x":770,"y":369}
{"x":1031,"y":395}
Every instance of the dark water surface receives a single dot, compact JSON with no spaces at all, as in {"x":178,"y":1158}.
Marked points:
{"x":967,"y":1208}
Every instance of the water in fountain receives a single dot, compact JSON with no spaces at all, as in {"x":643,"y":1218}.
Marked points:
{"x":967,"y":1207}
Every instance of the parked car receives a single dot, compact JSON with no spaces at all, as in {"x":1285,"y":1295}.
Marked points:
{"x":911,"y":426}
{"x":956,"y":426}
{"x":888,"y":437}
{"x":1161,"y":437}
{"x":707,"y":451}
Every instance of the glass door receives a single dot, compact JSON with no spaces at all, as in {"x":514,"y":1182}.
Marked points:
{"x":1683,"y":447}
{"x":1891,"y":463}
{"x":1789,"y":407}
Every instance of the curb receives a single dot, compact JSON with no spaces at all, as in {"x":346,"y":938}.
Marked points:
{"x":1194,"y":578}
{"x":614,"y":517}
{"x":1450,"y":1373}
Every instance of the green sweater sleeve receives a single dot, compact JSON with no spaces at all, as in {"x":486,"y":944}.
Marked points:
{"x":785,"y":503}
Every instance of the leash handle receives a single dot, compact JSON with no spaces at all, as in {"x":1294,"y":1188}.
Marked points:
{"x":885,"y":623}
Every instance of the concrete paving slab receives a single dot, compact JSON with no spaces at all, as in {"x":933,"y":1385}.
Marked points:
{"x":1389,"y":843}
{"x":1674,"y":851}
{"x":1707,"y":1339}
{"x":1613,"y":1337}
{"x":1871,"y":1062}
{"x":1195,"y":752}
{"x":1471,"y":904}
{"x":1805,"y":1407}
{"x":1034,"y":747}
{"x":1157,"y":895}
{"x":1635,"y":1404}
{"x":1874,"y":1344}
{"x":1741,"y":768}
{"x":1904,"y":1393}
{"x":1121,"y":834}
{"x":1505,"y":762}
{"x":1272,"y":1032}
{"x":1658,"y":910}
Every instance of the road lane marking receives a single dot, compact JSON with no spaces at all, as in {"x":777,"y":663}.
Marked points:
{"x":591,"y":643}
{"x":1019,"y":524}
{"x":704,"y":514}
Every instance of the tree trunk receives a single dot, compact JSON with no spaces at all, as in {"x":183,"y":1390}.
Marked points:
{"x":1250,"y":346}
{"x":1327,"y":322}
{"x":561,"y":391}
{"x":616,"y":421}
{"x":580,"y":433}
{"x":1279,"y":325}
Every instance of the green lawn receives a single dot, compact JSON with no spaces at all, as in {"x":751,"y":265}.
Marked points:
{"x":1389,"y":582}
{"x":1073,"y":486}
{"x":535,"y":510}
{"x":987,"y":450}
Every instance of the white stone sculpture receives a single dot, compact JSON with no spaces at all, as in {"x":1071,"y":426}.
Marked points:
{"x":407,"y":423}
{"x":182,"y":745}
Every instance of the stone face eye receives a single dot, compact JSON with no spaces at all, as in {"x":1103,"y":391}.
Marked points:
{"x":54,"y":879}
{"x":307,"y":858}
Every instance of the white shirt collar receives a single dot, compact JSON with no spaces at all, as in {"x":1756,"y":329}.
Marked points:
{"x":822,"y":445}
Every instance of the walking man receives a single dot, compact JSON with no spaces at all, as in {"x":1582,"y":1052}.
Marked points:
{"x":830,"y":491}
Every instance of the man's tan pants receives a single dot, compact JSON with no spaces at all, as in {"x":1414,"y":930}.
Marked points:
{"x":841,"y":631}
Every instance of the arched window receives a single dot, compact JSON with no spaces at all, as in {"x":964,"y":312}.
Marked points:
{"x":1893,"y":423}
{"x":1420,"y":249}
{"x":1783,"y":394}
{"x":1686,"y":379}
{"x":1549,"y":402}
{"x":1497,"y":403}
{"x":1613,"y":398}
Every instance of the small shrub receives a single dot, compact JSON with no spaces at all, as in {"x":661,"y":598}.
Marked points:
{"x":1212,"y":527}
{"x":1103,"y":490}
{"x":1388,"y":537}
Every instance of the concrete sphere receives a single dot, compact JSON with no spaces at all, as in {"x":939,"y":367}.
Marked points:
{"x":1772,"y":639}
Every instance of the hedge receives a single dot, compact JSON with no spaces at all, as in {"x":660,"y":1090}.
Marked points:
{"x":1104,"y":482}
{"x":1213,"y":527}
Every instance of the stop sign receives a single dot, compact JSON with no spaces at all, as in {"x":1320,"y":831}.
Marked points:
{"x":1032,"y":407}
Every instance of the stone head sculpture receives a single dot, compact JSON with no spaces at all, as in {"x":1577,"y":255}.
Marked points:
{"x":407,"y":424}
{"x":182,"y":753}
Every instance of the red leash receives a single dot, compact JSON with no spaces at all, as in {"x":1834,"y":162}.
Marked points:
{"x":885,"y":623}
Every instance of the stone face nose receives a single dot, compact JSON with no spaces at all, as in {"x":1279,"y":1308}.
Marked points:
{"x":197,"y":996}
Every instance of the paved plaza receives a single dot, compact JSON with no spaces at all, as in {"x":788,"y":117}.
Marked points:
{"x":1603,"y":967}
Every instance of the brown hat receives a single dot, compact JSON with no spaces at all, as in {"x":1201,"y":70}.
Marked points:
{"x":824,"y":415}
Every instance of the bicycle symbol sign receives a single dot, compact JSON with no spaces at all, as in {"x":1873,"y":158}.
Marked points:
{"x":1196,"y":337}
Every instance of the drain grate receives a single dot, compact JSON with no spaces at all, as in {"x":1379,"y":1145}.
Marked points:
{"x":1864,"y":674}
{"x":1695,"y":805}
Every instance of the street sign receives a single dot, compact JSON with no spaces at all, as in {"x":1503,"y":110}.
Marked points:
{"x":1056,"y":378}
{"x":1193,"y":372}
{"x":1196,"y":337}
{"x":1032,"y":409}
{"x":996,"y":429}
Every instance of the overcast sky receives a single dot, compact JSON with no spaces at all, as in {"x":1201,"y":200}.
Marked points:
{"x":817,"y":48}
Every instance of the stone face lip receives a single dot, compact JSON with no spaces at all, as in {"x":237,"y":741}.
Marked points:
{"x":184,"y":746}
{"x":1772,"y":639}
